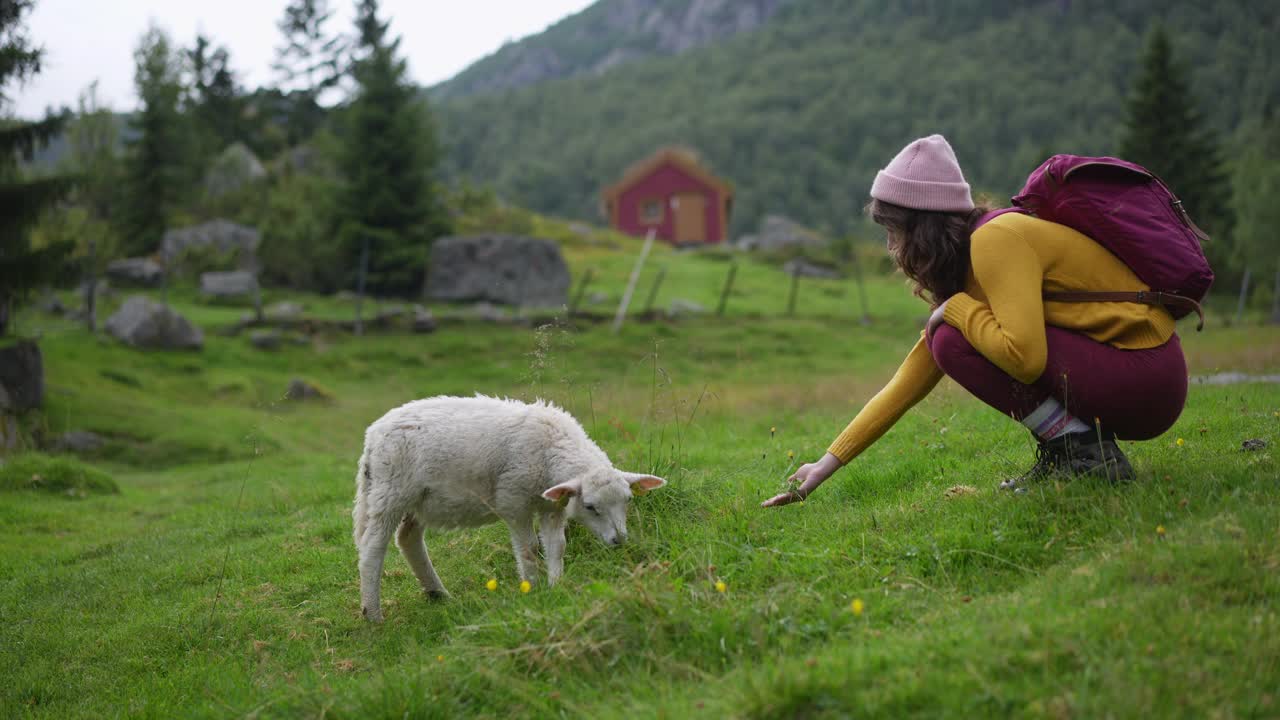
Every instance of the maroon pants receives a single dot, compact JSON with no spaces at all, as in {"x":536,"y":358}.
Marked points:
{"x":1136,"y":394}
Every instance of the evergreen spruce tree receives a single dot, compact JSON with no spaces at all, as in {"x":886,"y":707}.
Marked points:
{"x":1165,"y":132}
{"x":159,"y":171}
{"x":309,"y":63}
{"x":218,"y":105}
{"x":93,"y":141}
{"x":389,"y":212}
{"x":23,"y":267}
{"x":1256,"y":201}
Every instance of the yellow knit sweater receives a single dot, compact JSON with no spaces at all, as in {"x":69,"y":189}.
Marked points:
{"x":1014,"y":259}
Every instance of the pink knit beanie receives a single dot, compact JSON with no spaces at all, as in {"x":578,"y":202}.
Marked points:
{"x":924,"y":176}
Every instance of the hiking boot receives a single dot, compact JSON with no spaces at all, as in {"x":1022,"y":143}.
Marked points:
{"x":1047,"y":462}
{"x":1082,"y":453}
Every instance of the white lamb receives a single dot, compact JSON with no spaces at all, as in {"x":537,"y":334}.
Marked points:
{"x":462,"y":462}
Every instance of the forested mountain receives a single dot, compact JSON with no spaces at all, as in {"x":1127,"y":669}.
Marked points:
{"x":606,"y":35}
{"x":801,"y":112}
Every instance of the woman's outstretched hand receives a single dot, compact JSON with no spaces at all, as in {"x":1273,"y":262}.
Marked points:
{"x":808,"y":477}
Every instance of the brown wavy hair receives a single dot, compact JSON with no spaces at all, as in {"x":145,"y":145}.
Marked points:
{"x":931,"y":248}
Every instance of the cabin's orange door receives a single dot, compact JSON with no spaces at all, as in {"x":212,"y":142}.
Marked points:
{"x":691,"y":217}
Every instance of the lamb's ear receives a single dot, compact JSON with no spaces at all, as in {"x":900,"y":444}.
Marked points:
{"x":641,"y":483}
{"x":561,"y":493}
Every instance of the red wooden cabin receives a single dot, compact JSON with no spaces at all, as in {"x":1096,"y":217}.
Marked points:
{"x":672,"y":193}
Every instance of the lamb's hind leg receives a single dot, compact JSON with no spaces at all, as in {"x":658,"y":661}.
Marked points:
{"x":409,"y":539}
{"x":373,"y":550}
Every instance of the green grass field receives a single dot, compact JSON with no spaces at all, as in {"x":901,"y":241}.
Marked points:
{"x":220,"y":580}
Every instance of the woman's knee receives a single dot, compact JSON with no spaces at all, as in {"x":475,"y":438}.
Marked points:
{"x":949,"y":348}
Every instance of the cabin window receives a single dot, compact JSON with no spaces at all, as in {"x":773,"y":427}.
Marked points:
{"x":651,"y":211}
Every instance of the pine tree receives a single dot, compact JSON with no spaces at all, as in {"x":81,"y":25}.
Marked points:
{"x":309,"y":63}
{"x":218,"y":105}
{"x":1256,"y":185}
{"x":1165,"y":132}
{"x":23,"y":267}
{"x":389,"y":210}
{"x":159,"y":171}
{"x":93,"y":141}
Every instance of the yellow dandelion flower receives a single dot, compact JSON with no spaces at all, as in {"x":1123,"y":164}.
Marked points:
{"x":1181,"y":442}
{"x":525,"y":586}
{"x":791,"y":454}
{"x":720,"y":586}
{"x":857,"y":607}
{"x":492,"y":584}
{"x":1160,"y":530}
{"x":439,"y":658}
{"x":773,"y":430}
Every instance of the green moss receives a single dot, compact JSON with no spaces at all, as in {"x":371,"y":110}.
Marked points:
{"x":59,"y":475}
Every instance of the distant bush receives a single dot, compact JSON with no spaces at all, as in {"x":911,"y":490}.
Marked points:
{"x":37,"y":471}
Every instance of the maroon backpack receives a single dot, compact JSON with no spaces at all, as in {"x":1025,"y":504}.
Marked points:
{"x":1127,"y":209}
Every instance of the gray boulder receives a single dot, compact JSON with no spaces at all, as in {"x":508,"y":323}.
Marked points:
{"x":10,"y":433}
{"x":266,"y":339}
{"x":51,"y":304}
{"x":222,"y":285}
{"x":423,"y":320}
{"x":684,"y":308}
{"x":284,"y":311}
{"x":232,"y":170}
{"x":221,"y":236}
{"x":137,"y":272}
{"x":805,"y":268}
{"x":21,"y":377}
{"x":78,"y":441}
{"x":300,"y":389}
{"x":144,"y":323}
{"x":780,"y":233}
{"x":503,"y":269}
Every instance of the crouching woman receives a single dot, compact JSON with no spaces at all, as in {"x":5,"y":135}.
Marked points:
{"x":1078,"y":375}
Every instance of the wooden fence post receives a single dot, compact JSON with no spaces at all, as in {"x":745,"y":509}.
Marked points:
{"x":795,"y":286}
{"x":1244,"y":296}
{"x":631,"y":284}
{"x":360,"y":280}
{"x":653,"y":292}
{"x":582,"y":289}
{"x":728,"y":286}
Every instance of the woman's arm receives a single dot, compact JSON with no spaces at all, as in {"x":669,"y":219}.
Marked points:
{"x":916,"y":377}
{"x":1008,"y":329}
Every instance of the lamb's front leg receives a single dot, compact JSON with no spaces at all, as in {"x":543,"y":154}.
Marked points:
{"x":524,"y":543}
{"x":551,"y":530}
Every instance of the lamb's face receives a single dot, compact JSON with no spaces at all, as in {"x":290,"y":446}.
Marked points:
{"x":600,"y":500}
{"x":602,"y":506}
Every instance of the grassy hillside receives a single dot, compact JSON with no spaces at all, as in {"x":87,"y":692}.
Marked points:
{"x":220,"y":580}
{"x":799,"y":114}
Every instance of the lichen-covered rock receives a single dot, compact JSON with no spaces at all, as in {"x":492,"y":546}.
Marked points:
{"x":21,"y":377}
{"x":144,"y":323}
{"x":503,"y":269}
{"x":227,"y":285}
{"x":136,"y":272}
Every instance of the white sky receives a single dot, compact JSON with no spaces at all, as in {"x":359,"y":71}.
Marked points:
{"x":87,"y":40}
